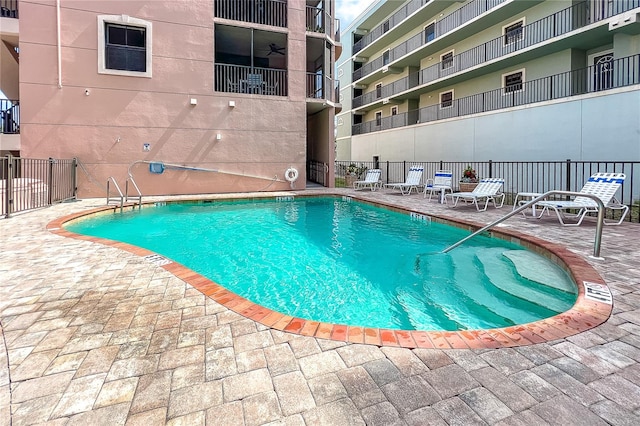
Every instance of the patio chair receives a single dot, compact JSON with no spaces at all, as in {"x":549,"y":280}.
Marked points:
{"x":413,"y":181}
{"x":488,"y":190}
{"x":441,"y":183}
{"x":371,"y":180}
{"x":602,"y":185}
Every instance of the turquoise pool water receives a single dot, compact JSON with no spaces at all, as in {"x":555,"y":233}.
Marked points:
{"x":346,"y":262}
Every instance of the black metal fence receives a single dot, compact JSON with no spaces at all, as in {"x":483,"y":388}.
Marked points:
{"x":520,"y":176}
{"x":613,"y":74}
{"x":28,"y":183}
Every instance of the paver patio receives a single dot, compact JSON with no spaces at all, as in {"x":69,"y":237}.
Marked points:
{"x":96,"y":335}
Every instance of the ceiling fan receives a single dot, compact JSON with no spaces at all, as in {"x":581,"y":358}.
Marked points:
{"x":274,"y":48}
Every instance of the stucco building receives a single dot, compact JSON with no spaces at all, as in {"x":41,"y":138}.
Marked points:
{"x":479,"y":80}
{"x":185,"y":96}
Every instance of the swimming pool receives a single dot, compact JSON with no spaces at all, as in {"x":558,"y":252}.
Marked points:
{"x":340,"y":261}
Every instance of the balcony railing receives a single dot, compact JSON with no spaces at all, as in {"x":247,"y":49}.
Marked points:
{"x":620,"y":73}
{"x":9,"y":116}
{"x":9,"y":9}
{"x":250,"y":80}
{"x":567,"y":20}
{"x":555,"y":25}
{"x":265,"y":12}
{"x":320,"y":86}
{"x":450,"y":22}
{"x":317,"y":20}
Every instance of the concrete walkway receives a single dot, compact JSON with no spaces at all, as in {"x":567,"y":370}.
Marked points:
{"x":95,"y":335}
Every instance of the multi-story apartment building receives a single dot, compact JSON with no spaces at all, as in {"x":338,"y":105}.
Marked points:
{"x":474,"y":80}
{"x":185,"y":96}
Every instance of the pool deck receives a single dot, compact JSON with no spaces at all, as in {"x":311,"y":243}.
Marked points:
{"x":94,"y":335}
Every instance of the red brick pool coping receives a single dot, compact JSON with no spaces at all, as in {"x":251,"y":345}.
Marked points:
{"x":584,"y":315}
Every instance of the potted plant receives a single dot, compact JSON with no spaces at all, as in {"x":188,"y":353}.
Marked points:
{"x":354,"y":173}
{"x":469,"y":179}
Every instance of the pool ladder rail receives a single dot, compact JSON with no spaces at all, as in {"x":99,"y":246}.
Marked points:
{"x":599,"y":224}
{"x":118,"y":198}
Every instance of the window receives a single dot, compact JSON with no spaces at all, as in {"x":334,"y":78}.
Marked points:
{"x":378,"y":118}
{"x":379,"y":90}
{"x":394,"y":110}
{"x":446,"y":60}
{"x":429,"y":32}
{"x":385,"y":58}
{"x":385,"y":26}
{"x":513,"y":32}
{"x":124,"y":46}
{"x":446,"y":99}
{"x":513,"y":82}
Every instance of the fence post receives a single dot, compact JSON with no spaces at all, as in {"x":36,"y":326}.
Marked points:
{"x":8,"y":199}
{"x":50,"y":180}
{"x":568,"y":175}
{"x":441,"y":164}
{"x":387,"y":171}
{"x":490,"y":168}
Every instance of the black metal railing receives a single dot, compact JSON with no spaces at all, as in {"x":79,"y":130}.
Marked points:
{"x":317,"y":172}
{"x":250,"y":80}
{"x":555,"y":25}
{"x":448,"y":23}
{"x":9,"y":9}
{"x":28,"y":183}
{"x":567,"y":20}
{"x":320,"y":86}
{"x":317,"y":20}
{"x":9,"y":116}
{"x":618,"y":73}
{"x":265,"y":12}
{"x":520,"y":176}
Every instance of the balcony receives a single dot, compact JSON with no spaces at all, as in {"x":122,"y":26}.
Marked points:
{"x":445,"y":25}
{"x":9,"y":116}
{"x":536,"y":33}
{"x":264,"y":12}
{"x":250,"y":80}
{"x":618,"y":73}
{"x":9,"y":9}
{"x":317,"y":20}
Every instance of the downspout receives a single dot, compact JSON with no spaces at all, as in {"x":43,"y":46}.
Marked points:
{"x":59,"y":44}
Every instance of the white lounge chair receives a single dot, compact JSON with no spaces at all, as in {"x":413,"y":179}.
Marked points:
{"x":488,"y":190}
{"x":602,"y":185}
{"x":413,"y":181}
{"x":371,"y":180}
{"x":440,"y":184}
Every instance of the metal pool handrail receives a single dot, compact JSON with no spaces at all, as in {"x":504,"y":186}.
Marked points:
{"x":599,"y":224}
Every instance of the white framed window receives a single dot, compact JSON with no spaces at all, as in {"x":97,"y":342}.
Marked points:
{"x":124,"y":46}
{"x":446,"y":99}
{"x":394,"y":110}
{"x":385,"y":58}
{"x":378,"y":118}
{"x":513,"y":32}
{"x":446,"y":60}
{"x":429,"y":32}
{"x":513,"y":81}
{"x":385,"y":26}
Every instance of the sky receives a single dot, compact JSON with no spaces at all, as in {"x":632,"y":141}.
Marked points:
{"x":347,"y":10}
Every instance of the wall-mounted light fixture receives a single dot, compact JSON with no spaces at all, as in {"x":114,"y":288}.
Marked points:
{"x":193,"y":101}
{"x":87,"y":92}
{"x":218,"y":136}
{"x":232,"y":104}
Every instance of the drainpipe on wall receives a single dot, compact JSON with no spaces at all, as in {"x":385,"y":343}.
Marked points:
{"x":59,"y":44}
